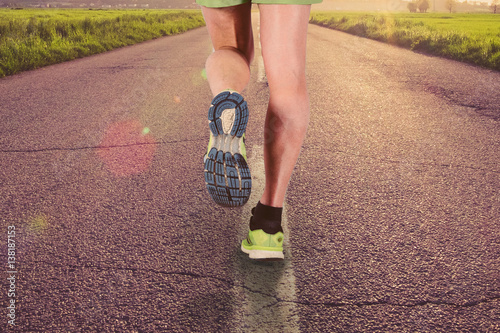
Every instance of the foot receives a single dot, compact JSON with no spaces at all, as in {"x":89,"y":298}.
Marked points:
{"x":227,"y":175}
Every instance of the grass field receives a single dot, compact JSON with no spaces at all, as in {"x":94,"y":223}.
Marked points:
{"x":32,"y":38}
{"x":473,"y":38}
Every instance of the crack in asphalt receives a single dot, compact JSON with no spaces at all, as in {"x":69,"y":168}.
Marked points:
{"x":441,"y":165}
{"x":42,"y":150}
{"x":409,"y":305}
{"x":278,"y":300}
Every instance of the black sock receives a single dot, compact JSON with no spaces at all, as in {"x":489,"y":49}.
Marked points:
{"x":266,"y":218}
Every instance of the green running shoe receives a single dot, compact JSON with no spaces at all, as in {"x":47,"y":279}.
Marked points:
{"x":263,"y":246}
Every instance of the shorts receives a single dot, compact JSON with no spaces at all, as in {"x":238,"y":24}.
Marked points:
{"x":229,"y":3}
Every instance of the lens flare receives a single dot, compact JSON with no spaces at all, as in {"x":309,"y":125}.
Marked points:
{"x":127,"y":148}
{"x":198,"y":77}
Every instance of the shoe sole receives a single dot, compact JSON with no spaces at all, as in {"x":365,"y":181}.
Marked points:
{"x":263,"y":255}
{"x":227,"y":175}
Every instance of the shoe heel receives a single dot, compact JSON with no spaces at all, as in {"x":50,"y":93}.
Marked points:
{"x":227,"y":101}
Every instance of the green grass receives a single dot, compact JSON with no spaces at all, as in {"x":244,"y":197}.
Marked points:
{"x":32,"y":38}
{"x":472,"y":38}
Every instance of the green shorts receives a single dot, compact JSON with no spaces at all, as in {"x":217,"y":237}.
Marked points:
{"x":229,"y":3}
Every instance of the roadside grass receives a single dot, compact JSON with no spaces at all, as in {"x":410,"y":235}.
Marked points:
{"x":472,"y":38}
{"x":33,"y":38}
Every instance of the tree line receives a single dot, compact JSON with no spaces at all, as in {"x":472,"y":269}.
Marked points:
{"x":421,"y":5}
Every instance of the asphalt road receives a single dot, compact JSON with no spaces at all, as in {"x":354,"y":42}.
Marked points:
{"x":392,"y":216}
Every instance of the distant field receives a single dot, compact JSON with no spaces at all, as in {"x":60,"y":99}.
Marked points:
{"x":473,"y":38}
{"x":32,"y":38}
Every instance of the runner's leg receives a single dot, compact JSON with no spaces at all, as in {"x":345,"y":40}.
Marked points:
{"x":283,"y":38}
{"x":230,"y":29}
{"x":226,"y":171}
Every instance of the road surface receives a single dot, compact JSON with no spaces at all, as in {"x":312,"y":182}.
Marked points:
{"x":392,"y":215}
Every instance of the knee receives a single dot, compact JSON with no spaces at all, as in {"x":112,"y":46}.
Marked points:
{"x":287,"y":110}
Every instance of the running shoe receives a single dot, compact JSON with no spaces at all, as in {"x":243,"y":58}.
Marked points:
{"x":227,"y":175}
{"x":263,"y":246}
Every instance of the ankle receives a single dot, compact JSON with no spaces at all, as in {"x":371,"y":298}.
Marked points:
{"x":267,"y":218}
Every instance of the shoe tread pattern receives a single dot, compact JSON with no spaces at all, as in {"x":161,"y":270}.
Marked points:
{"x":228,"y":100}
{"x":225,"y":170}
